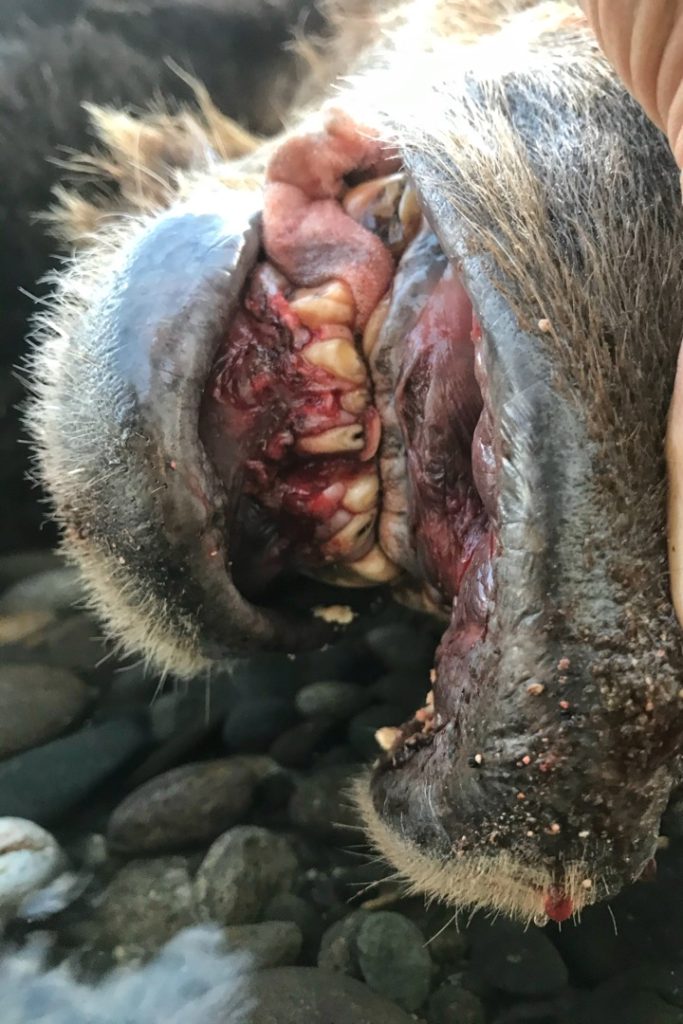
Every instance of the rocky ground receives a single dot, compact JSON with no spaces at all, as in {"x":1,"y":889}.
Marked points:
{"x":225,"y":802}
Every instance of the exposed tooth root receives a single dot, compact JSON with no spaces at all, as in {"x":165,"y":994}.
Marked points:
{"x":387,"y":737}
{"x":351,"y":538}
{"x":330,"y":303}
{"x":373,"y":435}
{"x":376,"y":567}
{"x":409,"y":213}
{"x":337,"y":439}
{"x":355,"y":402}
{"x":339,"y":357}
{"x":361,"y":495}
{"x":374,"y":326}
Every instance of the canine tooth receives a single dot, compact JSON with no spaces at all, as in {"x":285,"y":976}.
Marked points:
{"x":337,"y":439}
{"x":374,"y":326}
{"x":375,"y":566}
{"x":339,"y":357}
{"x":345,"y":541}
{"x":355,"y":401}
{"x":361,"y":495}
{"x":409,"y":213}
{"x":330,"y":303}
{"x":376,"y":198}
{"x":387,"y":737}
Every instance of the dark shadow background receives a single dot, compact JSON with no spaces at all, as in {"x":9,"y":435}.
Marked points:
{"x":56,"y":54}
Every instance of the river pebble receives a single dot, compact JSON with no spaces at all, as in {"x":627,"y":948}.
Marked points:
{"x":451,"y":1004}
{"x":38,"y":703}
{"x":29,"y":858}
{"x":400,"y":646}
{"x":269,"y":944}
{"x":288,"y":907}
{"x":253,"y":724}
{"x":44,"y":783}
{"x":516,"y":960}
{"x":321,"y":804}
{"x":339,"y":945}
{"x":146,"y":904}
{"x":364,"y":725}
{"x":394,"y":960}
{"x":57,"y":589}
{"x":182,"y":807}
{"x":307,"y":995}
{"x":329,"y":699}
{"x":242,"y":871}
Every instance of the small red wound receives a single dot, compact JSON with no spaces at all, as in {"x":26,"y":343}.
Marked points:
{"x":557,"y":905}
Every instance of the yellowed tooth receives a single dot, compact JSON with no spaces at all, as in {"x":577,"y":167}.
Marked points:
{"x":337,"y":439}
{"x":339,"y":357}
{"x":347,"y":540}
{"x":375,"y":566}
{"x":387,"y":737}
{"x":376,"y":198}
{"x":361,"y":495}
{"x":330,"y":303}
{"x":409,"y":213}
{"x":355,"y":401}
{"x":374,"y":326}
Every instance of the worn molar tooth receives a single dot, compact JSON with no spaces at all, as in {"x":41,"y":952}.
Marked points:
{"x":376,"y":567}
{"x":330,"y":303}
{"x":355,"y":402}
{"x":336,"y":439}
{"x":361,"y":494}
{"x":339,"y":357}
{"x":352,"y":538}
{"x":374,"y":326}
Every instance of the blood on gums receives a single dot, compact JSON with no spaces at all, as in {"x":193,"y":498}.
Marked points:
{"x":557,"y":905}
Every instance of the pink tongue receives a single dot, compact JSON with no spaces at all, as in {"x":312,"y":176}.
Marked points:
{"x":306,"y":231}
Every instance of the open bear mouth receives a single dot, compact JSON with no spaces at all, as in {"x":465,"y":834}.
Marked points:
{"x":347,"y":409}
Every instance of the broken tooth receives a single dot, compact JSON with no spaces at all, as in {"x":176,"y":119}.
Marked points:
{"x":374,"y":326}
{"x":355,"y":402}
{"x":387,"y":737}
{"x":376,"y":567}
{"x":361,"y":495}
{"x":339,"y":357}
{"x":350,"y":537}
{"x":374,"y":199}
{"x":337,"y":439}
{"x":330,"y":303}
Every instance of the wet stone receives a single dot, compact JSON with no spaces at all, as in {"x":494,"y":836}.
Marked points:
{"x":242,"y":871}
{"x":517,"y":961}
{"x":339,"y":945}
{"x":451,"y":1004}
{"x":20,"y":565}
{"x":363,"y":727}
{"x":44,"y":783}
{"x":332,"y":700}
{"x":394,"y":960}
{"x":321,"y":804}
{"x":38,"y":703}
{"x":74,"y":642}
{"x":288,"y":907}
{"x":57,"y":589}
{"x":401,"y":646}
{"x":307,"y":995}
{"x":185,"y":806}
{"x":631,"y":1006}
{"x":252,"y":725}
{"x":270,"y":944}
{"x":592,"y":950}
{"x":295,"y":747}
{"x":146,"y":904}
{"x":265,"y":675}
{"x":405,"y":690}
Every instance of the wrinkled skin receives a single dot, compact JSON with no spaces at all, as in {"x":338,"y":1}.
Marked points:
{"x":500,"y":459}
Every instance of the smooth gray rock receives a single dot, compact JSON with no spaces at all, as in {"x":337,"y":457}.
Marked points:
{"x":451,"y":1004}
{"x":394,"y":960}
{"x":401,"y":646}
{"x":38,"y":702}
{"x":44,"y":783}
{"x":182,"y":807}
{"x":307,"y":995}
{"x":146,"y":904}
{"x":321,"y":804}
{"x":269,"y":944}
{"x":254,"y":722}
{"x":339,"y":945}
{"x":242,"y":871}
{"x":333,"y":700}
{"x":58,"y":589}
{"x":516,"y":960}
